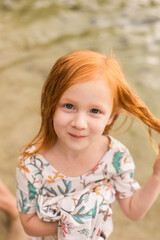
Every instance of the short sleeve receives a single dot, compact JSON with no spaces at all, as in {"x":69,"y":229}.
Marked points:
{"x":28,"y":179}
{"x":121,"y":168}
{"x":26,"y":194}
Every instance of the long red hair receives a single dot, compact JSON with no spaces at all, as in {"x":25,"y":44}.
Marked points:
{"x":79,"y":66}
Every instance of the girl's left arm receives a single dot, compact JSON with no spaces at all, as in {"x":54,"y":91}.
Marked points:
{"x":136,"y":206}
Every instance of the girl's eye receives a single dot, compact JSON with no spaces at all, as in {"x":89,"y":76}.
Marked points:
{"x":95,"y":111}
{"x":69,"y":106}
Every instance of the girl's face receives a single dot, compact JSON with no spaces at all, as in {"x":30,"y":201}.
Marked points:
{"x":82,"y":114}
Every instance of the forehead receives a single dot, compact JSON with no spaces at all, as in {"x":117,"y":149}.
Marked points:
{"x":94,"y":91}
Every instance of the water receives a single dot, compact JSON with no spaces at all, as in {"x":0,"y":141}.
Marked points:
{"x":34,"y":33}
{"x":130,"y":28}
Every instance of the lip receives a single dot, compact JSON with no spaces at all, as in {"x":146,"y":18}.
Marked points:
{"x":76,"y":136}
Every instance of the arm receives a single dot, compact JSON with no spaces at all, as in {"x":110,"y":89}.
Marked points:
{"x":137,"y":205}
{"x":33,"y":226}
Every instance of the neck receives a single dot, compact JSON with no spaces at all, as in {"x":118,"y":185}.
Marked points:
{"x":70,"y":155}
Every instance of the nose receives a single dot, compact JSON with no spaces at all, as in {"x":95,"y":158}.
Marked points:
{"x":79,"y":121}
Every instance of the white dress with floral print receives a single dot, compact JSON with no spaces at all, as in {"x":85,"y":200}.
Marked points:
{"x":82,"y":205}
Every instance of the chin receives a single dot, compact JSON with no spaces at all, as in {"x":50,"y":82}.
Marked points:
{"x":77,"y":147}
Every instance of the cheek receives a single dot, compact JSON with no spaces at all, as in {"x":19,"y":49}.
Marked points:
{"x":59,"y":120}
{"x":98,"y":127}
{"x":57,"y":123}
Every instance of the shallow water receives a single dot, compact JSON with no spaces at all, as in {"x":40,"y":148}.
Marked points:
{"x":34,"y":33}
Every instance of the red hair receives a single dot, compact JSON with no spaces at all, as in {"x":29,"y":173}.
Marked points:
{"x":82,"y":66}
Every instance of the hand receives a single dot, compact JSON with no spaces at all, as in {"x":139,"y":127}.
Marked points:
{"x":156,"y":167}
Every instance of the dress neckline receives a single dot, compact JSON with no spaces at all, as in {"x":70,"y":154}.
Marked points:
{"x":53,"y":169}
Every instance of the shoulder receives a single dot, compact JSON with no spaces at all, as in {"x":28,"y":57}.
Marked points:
{"x":31,"y":167}
{"x":121,"y":159}
{"x":117,"y":147}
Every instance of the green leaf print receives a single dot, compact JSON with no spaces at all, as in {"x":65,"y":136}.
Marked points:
{"x":37,"y":206}
{"x":78,"y":217}
{"x":67,"y":187}
{"x":36,"y":160}
{"x":81,"y":210}
{"x":42,"y":164}
{"x":94,"y":210}
{"x":32,"y":191}
{"x":38,"y":165}
{"x":23,"y":203}
{"x":83,"y":197}
{"x":58,"y":214}
{"x":131,"y":174}
{"x":61,"y":190}
{"x":116,"y":161}
{"x":78,"y":220}
{"x":51,"y":190}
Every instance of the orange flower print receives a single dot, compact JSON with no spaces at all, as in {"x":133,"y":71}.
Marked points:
{"x":66,"y":226}
{"x":23,"y":166}
{"x":52,"y":179}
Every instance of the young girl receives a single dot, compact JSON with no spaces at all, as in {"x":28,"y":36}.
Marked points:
{"x":70,"y":174}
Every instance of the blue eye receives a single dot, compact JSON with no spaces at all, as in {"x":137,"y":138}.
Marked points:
{"x":95,"y":111}
{"x":69,"y":106}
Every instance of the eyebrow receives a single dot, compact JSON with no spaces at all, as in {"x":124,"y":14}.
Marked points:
{"x":98,"y":106}
{"x":68,"y":100}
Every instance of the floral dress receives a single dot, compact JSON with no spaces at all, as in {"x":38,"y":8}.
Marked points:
{"x":82,"y":205}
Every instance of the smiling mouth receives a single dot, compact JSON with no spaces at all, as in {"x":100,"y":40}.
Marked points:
{"x":76,"y":136}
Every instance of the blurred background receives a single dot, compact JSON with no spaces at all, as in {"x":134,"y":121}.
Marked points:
{"x":34,"y":33}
